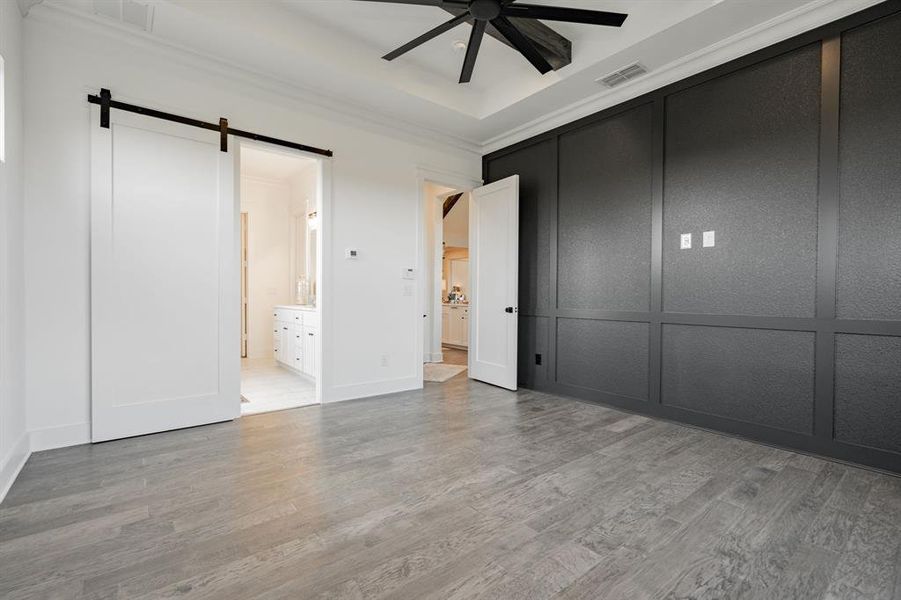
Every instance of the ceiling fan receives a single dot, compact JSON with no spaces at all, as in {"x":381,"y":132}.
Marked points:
{"x":498,"y":13}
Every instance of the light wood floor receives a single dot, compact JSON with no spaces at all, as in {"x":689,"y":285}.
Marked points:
{"x":460,"y":491}
{"x":454,"y":356}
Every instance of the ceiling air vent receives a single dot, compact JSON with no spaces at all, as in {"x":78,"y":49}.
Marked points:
{"x":623,"y":75}
{"x":130,"y":12}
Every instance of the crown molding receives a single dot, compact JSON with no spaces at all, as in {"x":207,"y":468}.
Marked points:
{"x":785,"y":26}
{"x":795,"y":22}
{"x":321,"y":104}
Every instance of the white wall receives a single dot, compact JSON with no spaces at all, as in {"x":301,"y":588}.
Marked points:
{"x":268,"y":208}
{"x":456,"y":224}
{"x":14,"y":443}
{"x":376,"y":209}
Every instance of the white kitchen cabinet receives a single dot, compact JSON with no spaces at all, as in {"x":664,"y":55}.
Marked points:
{"x":295,"y":330}
{"x":455,"y":325}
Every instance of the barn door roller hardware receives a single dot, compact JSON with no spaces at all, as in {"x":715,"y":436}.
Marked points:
{"x":106,"y":102}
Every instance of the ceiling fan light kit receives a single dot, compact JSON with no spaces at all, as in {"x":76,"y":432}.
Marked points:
{"x":482,"y":13}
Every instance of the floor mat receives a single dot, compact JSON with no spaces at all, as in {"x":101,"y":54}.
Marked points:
{"x":439,"y":372}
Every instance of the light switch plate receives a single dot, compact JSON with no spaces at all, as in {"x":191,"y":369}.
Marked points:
{"x":709,"y":239}
{"x":685,"y":241}
{"x":407,"y":273}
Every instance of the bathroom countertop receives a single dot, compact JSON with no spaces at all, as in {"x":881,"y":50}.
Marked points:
{"x":298,"y":307}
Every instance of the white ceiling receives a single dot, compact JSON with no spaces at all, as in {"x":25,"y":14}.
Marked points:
{"x":271,"y":165}
{"x":332,"y":49}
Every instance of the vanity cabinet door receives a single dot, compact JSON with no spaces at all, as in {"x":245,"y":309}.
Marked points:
{"x":286,"y":343}
{"x":456,"y":329}
{"x":276,"y":340}
{"x":297,"y":334}
{"x":309,"y":352}
{"x":464,"y":327}
{"x":445,"y":325}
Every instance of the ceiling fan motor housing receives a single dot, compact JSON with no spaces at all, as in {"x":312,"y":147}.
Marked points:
{"x":485,"y":10}
{"x":504,"y":17}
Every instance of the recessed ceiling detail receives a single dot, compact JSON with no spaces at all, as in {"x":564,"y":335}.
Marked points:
{"x":326,"y":54}
{"x":503,"y":16}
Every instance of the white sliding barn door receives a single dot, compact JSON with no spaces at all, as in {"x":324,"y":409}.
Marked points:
{"x":165,"y":296}
{"x":494,"y":275}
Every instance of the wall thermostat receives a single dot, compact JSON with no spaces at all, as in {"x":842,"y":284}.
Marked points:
{"x":350,"y":253}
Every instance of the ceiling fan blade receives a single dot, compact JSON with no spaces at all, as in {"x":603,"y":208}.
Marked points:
{"x":521,"y":43}
{"x":472,"y":49}
{"x":428,"y":35}
{"x":464,"y":4}
{"x":570,"y":15}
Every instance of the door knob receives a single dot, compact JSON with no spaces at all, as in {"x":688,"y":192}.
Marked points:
{"x":509,"y":309}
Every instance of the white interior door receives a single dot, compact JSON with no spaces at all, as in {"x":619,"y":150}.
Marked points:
{"x":494,"y":275}
{"x":165,"y":262}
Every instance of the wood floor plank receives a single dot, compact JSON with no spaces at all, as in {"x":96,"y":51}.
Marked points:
{"x":457,"y":491}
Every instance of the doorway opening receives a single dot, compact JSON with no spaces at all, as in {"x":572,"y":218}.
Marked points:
{"x":445,"y":354}
{"x":280,"y":200}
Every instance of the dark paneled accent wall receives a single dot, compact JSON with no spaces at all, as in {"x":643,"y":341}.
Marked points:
{"x":536,"y":185}
{"x":788,"y":330}
{"x":606,"y":356}
{"x":604,"y":206}
{"x":869,"y":270}
{"x":760,"y":376}
{"x":868,"y":391}
{"x":741,"y":160}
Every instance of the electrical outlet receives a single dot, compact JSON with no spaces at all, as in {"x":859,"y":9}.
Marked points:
{"x":709,"y":240}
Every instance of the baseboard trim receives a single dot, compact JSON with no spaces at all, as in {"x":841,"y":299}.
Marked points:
{"x":434,"y":357}
{"x":354,"y":391}
{"x":11,"y":464}
{"x":61,"y":436}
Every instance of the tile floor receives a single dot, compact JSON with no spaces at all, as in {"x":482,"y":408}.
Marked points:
{"x":267,"y":386}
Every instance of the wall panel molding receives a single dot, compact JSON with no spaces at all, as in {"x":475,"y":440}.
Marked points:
{"x":808,"y":354}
